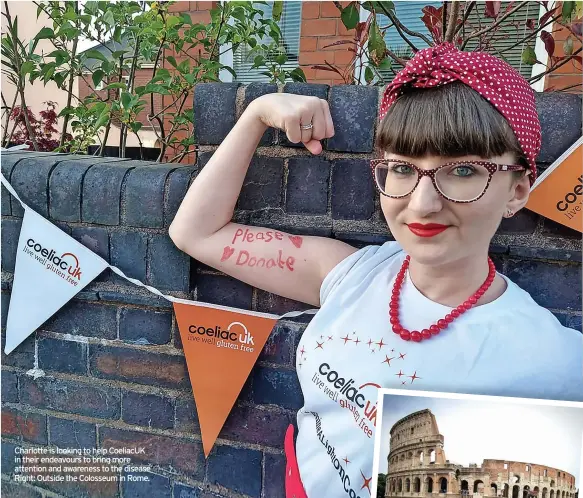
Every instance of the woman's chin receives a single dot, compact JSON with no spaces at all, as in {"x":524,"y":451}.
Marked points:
{"x":428,"y":251}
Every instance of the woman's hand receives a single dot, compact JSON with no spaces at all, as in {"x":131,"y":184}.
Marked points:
{"x":288,"y":112}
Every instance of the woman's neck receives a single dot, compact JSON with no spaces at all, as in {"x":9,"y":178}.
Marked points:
{"x":451,"y":284}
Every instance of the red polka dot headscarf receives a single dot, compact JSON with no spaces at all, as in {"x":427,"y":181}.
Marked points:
{"x":495,"y":80}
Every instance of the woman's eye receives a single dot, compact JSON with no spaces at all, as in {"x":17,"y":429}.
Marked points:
{"x":464,"y":170}
{"x":402,"y":169}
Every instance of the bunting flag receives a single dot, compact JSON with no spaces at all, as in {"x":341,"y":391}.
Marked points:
{"x":51,"y":268}
{"x":221,"y":344}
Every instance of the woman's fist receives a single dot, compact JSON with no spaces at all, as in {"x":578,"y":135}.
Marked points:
{"x":293,"y":114}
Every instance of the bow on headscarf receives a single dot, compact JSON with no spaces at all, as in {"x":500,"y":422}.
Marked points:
{"x":495,"y":80}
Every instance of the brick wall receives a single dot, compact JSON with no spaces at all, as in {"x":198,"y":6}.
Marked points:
{"x":322,"y":26}
{"x":114,"y":369}
{"x":568,"y":76}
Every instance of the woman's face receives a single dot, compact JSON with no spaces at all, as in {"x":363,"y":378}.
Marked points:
{"x":470,"y":226}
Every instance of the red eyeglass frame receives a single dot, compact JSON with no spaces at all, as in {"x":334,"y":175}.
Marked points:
{"x":490,"y":166}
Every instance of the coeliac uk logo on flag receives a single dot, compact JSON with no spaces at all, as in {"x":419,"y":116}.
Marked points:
{"x":228,"y":338}
{"x":66,"y":266}
{"x":51,"y":267}
{"x":221,"y":345}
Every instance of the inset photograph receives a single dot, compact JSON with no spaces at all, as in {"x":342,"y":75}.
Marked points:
{"x":454,"y":445}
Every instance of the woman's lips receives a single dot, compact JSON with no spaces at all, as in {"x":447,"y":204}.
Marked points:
{"x":427,"y":230}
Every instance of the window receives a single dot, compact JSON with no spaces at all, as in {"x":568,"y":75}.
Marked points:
{"x":545,"y":473}
{"x":505,"y":466}
{"x":527,"y":468}
{"x":409,"y":13}
{"x":290,"y":24}
{"x":412,"y":430}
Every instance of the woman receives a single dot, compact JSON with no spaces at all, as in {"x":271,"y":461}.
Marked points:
{"x":458,"y":138}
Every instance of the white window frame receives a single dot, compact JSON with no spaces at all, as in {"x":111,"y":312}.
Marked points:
{"x":541,"y":53}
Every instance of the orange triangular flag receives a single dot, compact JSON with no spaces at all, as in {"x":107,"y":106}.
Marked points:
{"x":558,"y":193}
{"x":221,"y":345}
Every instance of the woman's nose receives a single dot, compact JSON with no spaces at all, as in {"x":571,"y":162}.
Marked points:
{"x":425,"y":199}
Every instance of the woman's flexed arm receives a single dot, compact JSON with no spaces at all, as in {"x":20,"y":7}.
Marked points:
{"x":291,"y":266}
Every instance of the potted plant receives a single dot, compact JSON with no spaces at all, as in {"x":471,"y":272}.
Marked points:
{"x":129,"y":36}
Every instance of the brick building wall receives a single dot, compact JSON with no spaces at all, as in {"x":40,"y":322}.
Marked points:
{"x":114,"y":370}
{"x":569,"y":76}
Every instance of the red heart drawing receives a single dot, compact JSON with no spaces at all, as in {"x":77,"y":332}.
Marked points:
{"x":227,"y":253}
{"x":296,"y":240}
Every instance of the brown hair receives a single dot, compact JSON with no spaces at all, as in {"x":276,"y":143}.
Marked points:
{"x":451,"y":120}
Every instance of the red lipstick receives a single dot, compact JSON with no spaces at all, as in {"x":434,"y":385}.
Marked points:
{"x":426,"y":230}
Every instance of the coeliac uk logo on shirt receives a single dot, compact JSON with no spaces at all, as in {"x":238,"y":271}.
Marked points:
{"x":236,"y":336}
{"x":65,"y":266}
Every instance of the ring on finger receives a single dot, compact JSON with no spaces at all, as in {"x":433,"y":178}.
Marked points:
{"x":306,"y":126}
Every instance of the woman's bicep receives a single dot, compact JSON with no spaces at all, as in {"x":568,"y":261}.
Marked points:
{"x":292,"y":266}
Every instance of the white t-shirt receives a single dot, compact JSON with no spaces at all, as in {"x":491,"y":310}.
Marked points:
{"x":509,"y":347}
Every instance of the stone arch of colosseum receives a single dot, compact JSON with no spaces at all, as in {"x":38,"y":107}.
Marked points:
{"x":418,"y":467}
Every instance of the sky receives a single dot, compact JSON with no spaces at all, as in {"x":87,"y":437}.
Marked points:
{"x":474,"y":430}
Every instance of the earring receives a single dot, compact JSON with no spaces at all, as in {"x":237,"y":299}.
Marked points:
{"x":509,"y":213}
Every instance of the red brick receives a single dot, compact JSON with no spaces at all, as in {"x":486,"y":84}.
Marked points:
{"x":343,"y":57}
{"x":180,"y":6}
{"x":316,"y":57}
{"x":308,"y":44}
{"x":563,"y":81}
{"x":170,"y":453}
{"x":328,"y":9}
{"x":200,"y":17}
{"x":309,"y":73}
{"x":143,"y":367}
{"x":319,"y":27}
{"x":327,"y":40}
{"x":311,"y":10}
{"x":27,"y":426}
{"x":205,"y":5}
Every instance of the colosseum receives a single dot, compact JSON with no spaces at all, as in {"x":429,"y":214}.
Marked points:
{"x":417,"y":467}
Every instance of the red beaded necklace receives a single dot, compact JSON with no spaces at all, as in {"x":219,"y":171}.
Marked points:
{"x":434,"y":329}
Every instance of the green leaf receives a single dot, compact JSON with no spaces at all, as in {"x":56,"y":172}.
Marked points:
{"x":45,"y":33}
{"x":258,"y":61}
{"x":97,"y":77}
{"x":298,"y":75}
{"x":66,"y":111}
{"x":368,"y":74}
{"x":117,"y":34}
{"x":385,"y":65}
{"x":118,"y":53}
{"x":281,"y":59}
{"x":26,"y":68}
{"x":102,"y":119}
{"x":126,"y":100}
{"x":277,"y":10}
{"x":529,"y":56}
{"x":172,"y":21}
{"x":350,"y":16}
{"x":109,"y":19}
{"x":186,"y":19}
{"x":568,"y":8}
{"x":376,"y":42}
{"x":135,"y":126}
{"x":172,"y":61}
{"x":95,"y":54}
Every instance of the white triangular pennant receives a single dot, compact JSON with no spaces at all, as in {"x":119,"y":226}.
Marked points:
{"x":51,"y":268}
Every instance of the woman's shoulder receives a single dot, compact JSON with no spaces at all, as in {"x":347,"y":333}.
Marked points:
{"x":528,"y":319}
{"x":366,"y":261}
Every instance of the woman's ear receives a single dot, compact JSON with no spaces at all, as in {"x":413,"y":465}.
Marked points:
{"x":519,"y":193}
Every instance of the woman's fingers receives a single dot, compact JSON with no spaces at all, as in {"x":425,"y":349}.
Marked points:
{"x":307,"y":123}
{"x":327,"y":118}
{"x":292,"y":128}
